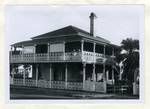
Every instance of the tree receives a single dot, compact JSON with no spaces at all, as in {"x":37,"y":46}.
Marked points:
{"x":131,"y":57}
{"x":130,"y":45}
{"x":131,"y":63}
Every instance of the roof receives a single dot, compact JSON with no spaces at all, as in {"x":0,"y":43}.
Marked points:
{"x":66,"y":32}
{"x":22,"y":42}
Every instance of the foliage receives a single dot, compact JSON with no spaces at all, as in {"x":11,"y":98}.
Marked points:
{"x":130,"y":45}
{"x":130,"y":65}
{"x":131,"y":58}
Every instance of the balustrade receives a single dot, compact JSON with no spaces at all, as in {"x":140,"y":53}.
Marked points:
{"x":75,"y":85}
{"x":47,"y":84}
{"x":73,"y":56}
{"x":58,"y":56}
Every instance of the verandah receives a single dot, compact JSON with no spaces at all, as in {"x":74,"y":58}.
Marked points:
{"x":63,"y":76}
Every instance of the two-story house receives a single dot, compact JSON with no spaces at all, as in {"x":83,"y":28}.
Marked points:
{"x":67,"y":58}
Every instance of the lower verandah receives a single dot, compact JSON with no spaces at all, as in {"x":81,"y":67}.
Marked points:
{"x":74,"y":76}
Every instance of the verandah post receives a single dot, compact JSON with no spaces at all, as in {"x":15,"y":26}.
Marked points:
{"x":37,"y":74}
{"x":66,"y":75}
{"x":112,"y":74}
{"x":84,"y":75}
{"x":113,"y":66}
{"x":50,"y":75}
{"x":64,"y":51}
{"x":94,"y":46}
{"x":94,"y":77}
{"x":22,"y":52}
{"x":12,"y":73}
{"x":113,"y":51}
{"x":104,"y":75}
{"x":82,"y":49}
{"x":34,"y":51}
{"x":24,"y":76}
{"x":48,"y":50}
{"x":94,"y":61}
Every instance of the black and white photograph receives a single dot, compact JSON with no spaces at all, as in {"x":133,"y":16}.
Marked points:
{"x":75,"y":52}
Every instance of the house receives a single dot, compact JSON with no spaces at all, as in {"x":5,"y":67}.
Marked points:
{"x":68,"y":58}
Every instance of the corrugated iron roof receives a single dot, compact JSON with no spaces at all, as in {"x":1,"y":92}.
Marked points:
{"x":68,"y":31}
{"x":65,"y":32}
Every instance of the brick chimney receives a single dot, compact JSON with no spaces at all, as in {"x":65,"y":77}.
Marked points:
{"x":92,"y":16}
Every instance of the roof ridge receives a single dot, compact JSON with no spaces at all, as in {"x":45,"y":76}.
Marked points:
{"x":71,"y":27}
{"x":53,"y":31}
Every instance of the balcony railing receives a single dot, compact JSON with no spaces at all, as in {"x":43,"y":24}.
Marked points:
{"x":73,"y":56}
{"x":58,"y":57}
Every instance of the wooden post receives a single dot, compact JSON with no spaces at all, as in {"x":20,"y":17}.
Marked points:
{"x":112,"y":51}
{"x":84,"y":75}
{"x":24,"y":76}
{"x":11,"y":53}
{"x":112,"y":74}
{"x":48,"y":50}
{"x":50,"y":75}
{"x":107,"y":75}
{"x":66,"y":75}
{"x":113,"y":79}
{"x":94,"y":52}
{"x":104,"y":65}
{"x":104,"y":75}
{"x":82,"y":49}
{"x":37,"y":72}
{"x":22,"y":52}
{"x":12,"y":73}
{"x":94,"y":60}
{"x":64,"y":51}
{"x":15,"y":48}
{"x":34,"y":51}
{"x":94,"y":77}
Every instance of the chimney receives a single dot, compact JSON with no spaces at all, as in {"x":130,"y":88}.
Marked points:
{"x":92,"y":16}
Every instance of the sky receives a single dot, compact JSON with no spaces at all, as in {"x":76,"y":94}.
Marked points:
{"x":113,"y":22}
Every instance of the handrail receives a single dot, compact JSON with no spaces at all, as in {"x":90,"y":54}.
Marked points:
{"x":58,"y":56}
